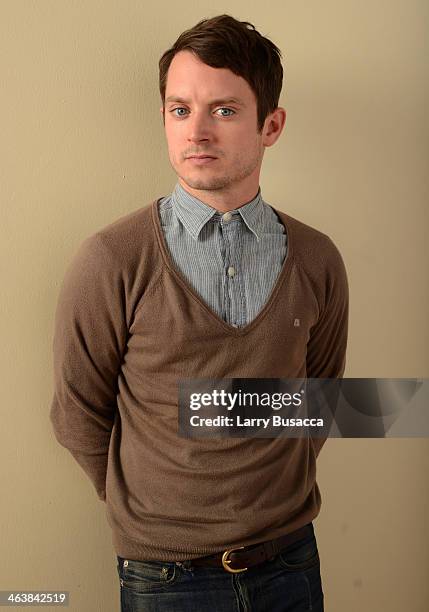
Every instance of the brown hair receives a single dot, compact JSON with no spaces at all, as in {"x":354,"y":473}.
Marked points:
{"x":224,"y":42}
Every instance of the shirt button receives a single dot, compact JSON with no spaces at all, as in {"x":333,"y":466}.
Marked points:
{"x":227,"y":216}
{"x":231,"y":271}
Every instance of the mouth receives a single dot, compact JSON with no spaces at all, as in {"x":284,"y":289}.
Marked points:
{"x":201,"y":159}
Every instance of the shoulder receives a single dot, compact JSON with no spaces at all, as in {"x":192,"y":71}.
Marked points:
{"x":127,"y":231}
{"x":313,"y":250}
{"x":114,"y":266}
{"x":122,"y":254}
{"x":121,"y":242}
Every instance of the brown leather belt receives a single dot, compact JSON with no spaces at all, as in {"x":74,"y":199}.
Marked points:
{"x":252,"y":555}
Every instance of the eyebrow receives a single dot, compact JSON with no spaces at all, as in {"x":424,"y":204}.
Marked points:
{"x":212,"y":103}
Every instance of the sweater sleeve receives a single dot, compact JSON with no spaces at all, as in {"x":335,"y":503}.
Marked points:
{"x":90,"y":334}
{"x":326,"y":348}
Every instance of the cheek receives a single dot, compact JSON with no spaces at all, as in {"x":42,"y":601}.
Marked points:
{"x":175,"y":145}
{"x":243,"y":148}
{"x":245,"y":141}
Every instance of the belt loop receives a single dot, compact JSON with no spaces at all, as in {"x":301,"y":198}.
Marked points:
{"x":186,"y":564}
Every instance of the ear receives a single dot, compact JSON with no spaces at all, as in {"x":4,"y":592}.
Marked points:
{"x":276,"y":122}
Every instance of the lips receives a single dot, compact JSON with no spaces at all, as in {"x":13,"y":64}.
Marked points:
{"x":201,"y":157}
{"x":201,"y":160}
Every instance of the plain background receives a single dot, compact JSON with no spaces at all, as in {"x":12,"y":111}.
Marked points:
{"x":82,"y":143}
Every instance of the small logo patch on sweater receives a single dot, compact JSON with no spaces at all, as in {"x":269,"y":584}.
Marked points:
{"x":296,"y":323}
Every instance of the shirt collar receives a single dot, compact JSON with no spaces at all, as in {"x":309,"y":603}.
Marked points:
{"x":194,"y":214}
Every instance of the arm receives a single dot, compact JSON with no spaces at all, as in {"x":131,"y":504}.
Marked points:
{"x":90,"y":335}
{"x":326,"y":348}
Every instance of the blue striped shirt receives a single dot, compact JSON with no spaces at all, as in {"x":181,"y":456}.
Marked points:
{"x":232,"y":260}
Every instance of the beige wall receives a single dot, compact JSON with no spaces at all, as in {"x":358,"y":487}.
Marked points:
{"x":82,"y":143}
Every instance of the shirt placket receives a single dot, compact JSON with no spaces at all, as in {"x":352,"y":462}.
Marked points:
{"x":235,"y":303}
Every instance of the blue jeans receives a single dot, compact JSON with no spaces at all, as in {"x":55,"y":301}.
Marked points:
{"x":289,"y":582}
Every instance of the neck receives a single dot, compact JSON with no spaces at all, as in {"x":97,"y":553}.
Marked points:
{"x":223,"y":200}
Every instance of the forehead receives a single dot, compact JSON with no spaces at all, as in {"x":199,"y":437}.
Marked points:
{"x":189,"y":77}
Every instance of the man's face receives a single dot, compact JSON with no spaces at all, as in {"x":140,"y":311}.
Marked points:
{"x":225,"y":130}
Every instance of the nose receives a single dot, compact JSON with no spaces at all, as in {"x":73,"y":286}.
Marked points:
{"x":198,"y":128}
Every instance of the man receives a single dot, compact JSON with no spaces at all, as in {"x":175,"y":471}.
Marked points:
{"x":207,"y":282}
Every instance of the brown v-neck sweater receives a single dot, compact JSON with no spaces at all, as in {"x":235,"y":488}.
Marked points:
{"x":128,"y":326}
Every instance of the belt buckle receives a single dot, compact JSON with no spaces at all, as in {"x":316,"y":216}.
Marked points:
{"x":225,"y":561}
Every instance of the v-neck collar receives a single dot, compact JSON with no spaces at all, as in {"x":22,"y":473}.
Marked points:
{"x":177,"y":274}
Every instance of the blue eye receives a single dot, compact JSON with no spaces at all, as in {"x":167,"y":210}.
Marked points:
{"x":228,"y":109}
{"x":175,"y":109}
{"x":221,"y":108}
